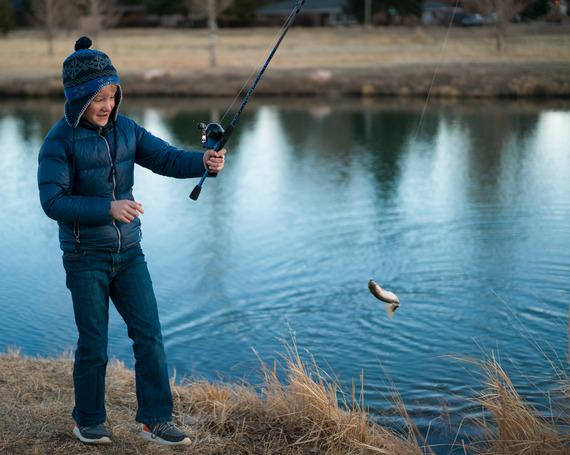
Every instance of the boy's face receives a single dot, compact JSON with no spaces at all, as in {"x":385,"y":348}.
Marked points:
{"x":101,"y":106}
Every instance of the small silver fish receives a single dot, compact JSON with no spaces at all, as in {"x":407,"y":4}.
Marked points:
{"x":391,"y":300}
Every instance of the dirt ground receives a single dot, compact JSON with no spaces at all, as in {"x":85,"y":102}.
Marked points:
{"x":346,"y":61}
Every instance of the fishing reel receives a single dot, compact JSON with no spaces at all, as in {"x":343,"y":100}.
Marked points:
{"x":211,"y":134}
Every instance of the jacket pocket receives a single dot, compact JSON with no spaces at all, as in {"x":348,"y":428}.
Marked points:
{"x":73,"y":256}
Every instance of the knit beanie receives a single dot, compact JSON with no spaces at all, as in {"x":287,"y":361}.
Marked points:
{"x":85,"y":72}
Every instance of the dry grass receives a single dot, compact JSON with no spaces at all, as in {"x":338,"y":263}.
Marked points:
{"x":510,"y":425}
{"x":514,"y":426}
{"x":304,"y":413}
{"x":25,"y":52}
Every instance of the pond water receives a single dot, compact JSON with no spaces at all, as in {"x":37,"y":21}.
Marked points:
{"x":465,"y":215}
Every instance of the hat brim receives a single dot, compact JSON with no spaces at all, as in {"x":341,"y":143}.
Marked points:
{"x":74,"y":109}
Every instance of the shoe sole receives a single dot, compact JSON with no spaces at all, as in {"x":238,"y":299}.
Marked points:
{"x":148,"y":436}
{"x":103,"y":440}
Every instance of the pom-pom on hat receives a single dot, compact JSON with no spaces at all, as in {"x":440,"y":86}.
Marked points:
{"x":85,"y":72}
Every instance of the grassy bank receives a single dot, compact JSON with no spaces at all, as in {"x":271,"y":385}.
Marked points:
{"x":311,"y":61}
{"x":305,"y":413}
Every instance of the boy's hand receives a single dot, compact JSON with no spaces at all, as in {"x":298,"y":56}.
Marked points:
{"x":214,"y":161}
{"x":125,"y":210}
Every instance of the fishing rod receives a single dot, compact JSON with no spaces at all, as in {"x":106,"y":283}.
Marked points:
{"x":213,"y":135}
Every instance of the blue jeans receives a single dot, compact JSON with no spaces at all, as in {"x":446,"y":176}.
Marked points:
{"x":93,"y":277}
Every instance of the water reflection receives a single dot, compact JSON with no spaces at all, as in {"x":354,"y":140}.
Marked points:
{"x":465,"y":216}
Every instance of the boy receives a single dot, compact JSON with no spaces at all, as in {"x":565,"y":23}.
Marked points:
{"x":85,"y":179}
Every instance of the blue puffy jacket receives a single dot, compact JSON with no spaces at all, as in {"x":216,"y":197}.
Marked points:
{"x":82,"y":170}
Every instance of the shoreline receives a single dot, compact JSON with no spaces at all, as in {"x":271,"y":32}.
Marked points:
{"x":306,"y":412}
{"x":463,"y":79}
{"x":313,"y":62}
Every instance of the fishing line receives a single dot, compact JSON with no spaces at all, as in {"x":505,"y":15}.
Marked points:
{"x":213,"y":135}
{"x":435,"y":74}
{"x":258,"y":64}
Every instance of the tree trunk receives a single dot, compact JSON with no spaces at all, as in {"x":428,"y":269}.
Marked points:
{"x":367,"y":13}
{"x":500,"y":39}
{"x":500,"y":26}
{"x":49,"y":25}
{"x":213,"y":27}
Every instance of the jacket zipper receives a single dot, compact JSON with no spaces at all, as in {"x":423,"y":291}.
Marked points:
{"x":114,"y":185}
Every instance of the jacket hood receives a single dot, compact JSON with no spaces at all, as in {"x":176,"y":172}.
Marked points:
{"x":75,"y":109}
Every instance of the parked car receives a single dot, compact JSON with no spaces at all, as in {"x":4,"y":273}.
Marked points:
{"x":471,"y":20}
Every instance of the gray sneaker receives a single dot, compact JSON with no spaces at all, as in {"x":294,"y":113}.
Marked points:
{"x":165,"y":433}
{"x":93,"y":435}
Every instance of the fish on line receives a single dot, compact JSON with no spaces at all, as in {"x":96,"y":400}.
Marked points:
{"x":392,"y":302}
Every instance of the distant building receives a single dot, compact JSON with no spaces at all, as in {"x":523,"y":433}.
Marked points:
{"x":436,"y":13}
{"x":313,"y":13}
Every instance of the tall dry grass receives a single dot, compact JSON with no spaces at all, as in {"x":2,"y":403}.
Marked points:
{"x":304,"y":412}
{"x":509,"y":424}
{"x":298,"y":409}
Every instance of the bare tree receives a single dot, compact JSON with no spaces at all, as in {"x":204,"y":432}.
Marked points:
{"x":53,"y":14}
{"x":503,"y":11}
{"x":211,"y":9}
{"x":100,"y":14}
